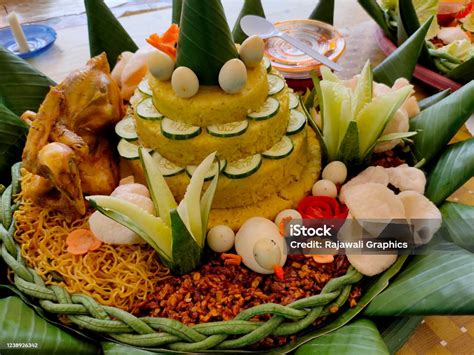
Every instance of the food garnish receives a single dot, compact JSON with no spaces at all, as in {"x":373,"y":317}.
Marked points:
{"x":80,"y":241}
{"x":321,"y":207}
{"x":167,"y":42}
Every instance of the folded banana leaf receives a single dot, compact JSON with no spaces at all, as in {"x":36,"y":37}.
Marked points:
{"x":251,"y":7}
{"x":359,"y":337}
{"x":451,"y":171}
{"x":324,"y":11}
{"x":433,"y":99}
{"x":439,"y":123}
{"x":377,"y":14}
{"x":463,"y":72}
{"x":22,"y":87}
{"x":176,"y":11}
{"x":106,"y":34}
{"x":402,"y":61}
{"x":397,"y":330}
{"x":458,"y":219}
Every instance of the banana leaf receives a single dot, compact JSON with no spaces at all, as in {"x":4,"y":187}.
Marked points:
{"x":439,"y":282}
{"x":452,"y":170}
{"x":13,"y":132}
{"x":397,"y":330}
{"x":458,"y":219}
{"x":359,"y":337}
{"x":463,"y":72}
{"x":176,"y":11}
{"x":437,"y":124}
{"x":402,"y":61}
{"x":251,"y":7}
{"x":106,"y":34}
{"x":377,"y":14}
{"x":408,"y":21}
{"x":22,"y":87}
{"x":324,"y":11}
{"x":433,"y":99}
{"x":20,"y":324}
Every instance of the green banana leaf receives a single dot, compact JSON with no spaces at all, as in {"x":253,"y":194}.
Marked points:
{"x":20,"y":324}
{"x":433,"y":99}
{"x":359,"y":337}
{"x":463,"y":72}
{"x":22,"y":87}
{"x":402,"y":61}
{"x":439,"y":282}
{"x":176,"y":11}
{"x":324,"y":11}
{"x":397,"y":330}
{"x":110,"y":348}
{"x":205,"y":43}
{"x":452,"y":170}
{"x":13,"y":132}
{"x":437,"y":124}
{"x":251,"y":7}
{"x":377,"y":14}
{"x":458,"y":220}
{"x":106,"y":34}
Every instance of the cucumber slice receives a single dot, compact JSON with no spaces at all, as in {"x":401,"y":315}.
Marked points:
{"x":231,"y":129}
{"x":146,"y":109}
{"x":268,"y":64}
{"x":296,"y":123}
{"x":136,"y":98}
{"x":294,"y":100}
{"x":269,"y":109}
{"x":280,"y":150}
{"x":276,"y":84}
{"x":166,"y":167}
{"x":243,"y":168}
{"x":144,"y":87}
{"x":215,"y":169}
{"x":178,"y":130}
{"x":125,"y":128}
{"x":128,"y":150}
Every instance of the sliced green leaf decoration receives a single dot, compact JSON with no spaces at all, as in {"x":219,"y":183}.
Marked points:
{"x":377,"y":14}
{"x":110,"y":348}
{"x":205,"y":42}
{"x":346,"y":150}
{"x":106,"y":34}
{"x":20,"y":324}
{"x":359,"y":337}
{"x":439,"y":123}
{"x":454,"y":167}
{"x":402,"y":61}
{"x":398,"y":330}
{"x":437,"y":283}
{"x":22,"y":87}
{"x":324,"y":11}
{"x":251,"y":7}
{"x":392,"y":136}
{"x":464,"y":72}
{"x":13,"y":132}
{"x":458,"y":220}
{"x":433,"y":99}
{"x":176,"y":11}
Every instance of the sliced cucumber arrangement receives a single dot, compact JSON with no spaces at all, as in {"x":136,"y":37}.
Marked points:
{"x":125,"y":129}
{"x":296,"y":123}
{"x":268,"y":110}
{"x":242,"y":168}
{"x":294,"y":100}
{"x":144,"y":87}
{"x":166,"y":167}
{"x":136,"y":98}
{"x":267,"y":63}
{"x":275,"y":83}
{"x":128,"y":150}
{"x":280,"y":150}
{"x":231,"y":129}
{"x":178,"y":130}
{"x":146,"y":109}
{"x":215,"y":169}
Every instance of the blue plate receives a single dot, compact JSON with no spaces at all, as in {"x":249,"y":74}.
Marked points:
{"x":39,"y":37}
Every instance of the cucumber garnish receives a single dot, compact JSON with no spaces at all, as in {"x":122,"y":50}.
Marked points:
{"x":294,"y":100}
{"x":216,"y":168}
{"x":146,"y":109}
{"x":144,"y":87}
{"x":128,"y":150}
{"x":280,"y":150}
{"x":296,"y":123}
{"x":125,"y":128}
{"x":231,"y":129}
{"x":178,"y":130}
{"x":243,"y":168}
{"x":276,"y":84}
{"x":268,"y":110}
{"x":166,"y":167}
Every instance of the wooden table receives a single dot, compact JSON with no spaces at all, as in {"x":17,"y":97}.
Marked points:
{"x":437,"y":335}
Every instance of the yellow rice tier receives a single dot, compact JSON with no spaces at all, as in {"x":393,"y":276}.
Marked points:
{"x":259,"y":136}
{"x":266,"y":181}
{"x":211,"y":105}
{"x":287,"y":197}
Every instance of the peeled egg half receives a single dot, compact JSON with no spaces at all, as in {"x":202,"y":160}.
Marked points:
{"x":184,"y":82}
{"x":233,"y":76}
{"x":251,"y":51}
{"x":160,"y":65}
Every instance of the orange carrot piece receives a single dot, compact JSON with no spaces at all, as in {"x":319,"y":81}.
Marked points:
{"x":79,"y":241}
{"x":279,"y":273}
{"x":231,"y":259}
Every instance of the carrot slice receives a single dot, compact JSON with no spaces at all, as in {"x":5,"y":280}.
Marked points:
{"x":231,"y":259}
{"x":80,"y":241}
{"x":279,"y":273}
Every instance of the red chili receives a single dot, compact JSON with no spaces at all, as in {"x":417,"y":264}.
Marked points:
{"x":464,"y":12}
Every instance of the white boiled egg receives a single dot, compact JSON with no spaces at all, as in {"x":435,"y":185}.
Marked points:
{"x":161,"y":65}
{"x":324,"y":188}
{"x":251,"y":51}
{"x":220,"y":238}
{"x":184,"y":82}
{"x":233,"y":76}
{"x":336,"y":171}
